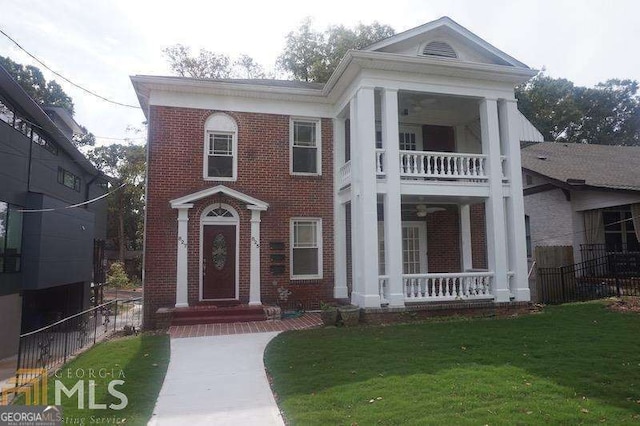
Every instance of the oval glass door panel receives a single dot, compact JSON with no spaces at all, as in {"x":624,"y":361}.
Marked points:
{"x":219,"y":251}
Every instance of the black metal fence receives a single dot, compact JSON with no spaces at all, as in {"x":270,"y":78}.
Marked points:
{"x":613,"y":274}
{"x":51,"y":346}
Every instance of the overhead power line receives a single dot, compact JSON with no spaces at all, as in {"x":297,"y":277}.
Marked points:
{"x":65,"y":78}
{"x":72,"y":206}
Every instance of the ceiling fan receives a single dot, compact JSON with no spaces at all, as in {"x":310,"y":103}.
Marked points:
{"x":421,"y":210}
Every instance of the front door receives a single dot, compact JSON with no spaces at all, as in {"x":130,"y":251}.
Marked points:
{"x":219,"y":262}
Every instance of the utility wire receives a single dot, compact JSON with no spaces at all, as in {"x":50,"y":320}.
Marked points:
{"x":72,"y":206}
{"x":65,"y":78}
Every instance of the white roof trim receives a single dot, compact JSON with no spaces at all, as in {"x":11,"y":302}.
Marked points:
{"x":185,"y":202}
{"x":445,"y":21}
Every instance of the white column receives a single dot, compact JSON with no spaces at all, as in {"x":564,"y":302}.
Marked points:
{"x":340,"y":290}
{"x":182,"y":273}
{"x":254,"y":255}
{"x":465,"y":237}
{"x":364,"y":198}
{"x":392,"y":200}
{"x":509,"y":116}
{"x":494,"y":206}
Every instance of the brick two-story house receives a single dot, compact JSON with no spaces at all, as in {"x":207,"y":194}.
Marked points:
{"x":398,"y":181}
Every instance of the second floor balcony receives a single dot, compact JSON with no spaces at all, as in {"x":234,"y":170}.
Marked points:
{"x":431,"y":166}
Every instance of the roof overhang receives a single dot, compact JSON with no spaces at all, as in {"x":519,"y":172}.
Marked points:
{"x":26,"y":105}
{"x":569,"y":185}
{"x":357,"y":60}
{"x":145,"y":84}
{"x":186,"y":202}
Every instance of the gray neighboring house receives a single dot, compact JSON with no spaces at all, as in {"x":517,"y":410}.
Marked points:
{"x":585,"y":196}
{"x":46,"y":258}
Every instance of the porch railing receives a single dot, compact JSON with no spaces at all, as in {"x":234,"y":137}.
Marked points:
{"x":448,"y":286}
{"x":383,"y":288}
{"x":345,"y":174}
{"x":436,"y":165}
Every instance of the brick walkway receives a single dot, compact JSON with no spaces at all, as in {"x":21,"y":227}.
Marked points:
{"x":308,"y":320}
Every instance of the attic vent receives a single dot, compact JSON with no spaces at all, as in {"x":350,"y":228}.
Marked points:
{"x":439,"y":48}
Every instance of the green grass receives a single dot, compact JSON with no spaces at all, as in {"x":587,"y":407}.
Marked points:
{"x":571,"y":364}
{"x":142,"y":359}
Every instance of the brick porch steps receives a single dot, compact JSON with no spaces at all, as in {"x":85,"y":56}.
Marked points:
{"x":210,"y":314}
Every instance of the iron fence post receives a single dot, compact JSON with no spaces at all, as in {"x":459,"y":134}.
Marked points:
{"x":115,"y":316}
{"x":66,"y":341}
{"x":95,"y":325}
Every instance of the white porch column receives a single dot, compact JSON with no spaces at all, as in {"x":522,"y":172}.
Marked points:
{"x":340,"y":290}
{"x":509,"y":116}
{"x":494,"y":206}
{"x":465,"y":237}
{"x":254,"y":255}
{"x":392,"y":200}
{"x":364,"y":200}
{"x":182,"y":275}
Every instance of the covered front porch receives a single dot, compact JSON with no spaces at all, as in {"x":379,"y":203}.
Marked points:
{"x":440,"y":246}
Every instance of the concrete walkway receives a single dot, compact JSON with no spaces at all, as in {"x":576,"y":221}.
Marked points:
{"x":217,"y":380}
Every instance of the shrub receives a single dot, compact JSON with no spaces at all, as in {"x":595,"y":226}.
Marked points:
{"x":117,"y":276}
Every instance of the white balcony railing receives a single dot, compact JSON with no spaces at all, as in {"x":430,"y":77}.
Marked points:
{"x":442,"y":165}
{"x":436,"y":165}
{"x":345,"y":174}
{"x":447,"y":286}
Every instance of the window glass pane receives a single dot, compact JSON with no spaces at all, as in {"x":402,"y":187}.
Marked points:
{"x":220,"y":166}
{"x":613,"y":241}
{"x":304,"y":133}
{"x":610,"y":219}
{"x":14,"y":232}
{"x":3,"y":225}
{"x":305,"y":261}
{"x":222,"y":145}
{"x":304,"y":160}
{"x":6,"y":114}
{"x":304,"y":234}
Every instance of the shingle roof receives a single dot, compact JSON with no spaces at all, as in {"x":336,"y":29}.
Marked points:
{"x":604,"y":166}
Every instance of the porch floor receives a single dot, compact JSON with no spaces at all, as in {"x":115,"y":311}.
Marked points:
{"x":308,"y":320}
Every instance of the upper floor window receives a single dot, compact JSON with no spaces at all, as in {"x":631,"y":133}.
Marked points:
{"x":220,"y":148}
{"x":305,"y":146}
{"x":10,"y":238}
{"x":68,"y":179}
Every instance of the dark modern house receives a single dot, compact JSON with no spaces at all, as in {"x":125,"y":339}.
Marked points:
{"x":46,"y":244}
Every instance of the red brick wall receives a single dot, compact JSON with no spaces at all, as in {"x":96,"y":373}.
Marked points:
{"x":176,"y":143}
{"x":443,"y":241}
{"x":478,"y":236}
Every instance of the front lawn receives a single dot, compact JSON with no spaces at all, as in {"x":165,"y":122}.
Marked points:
{"x":141,"y":362}
{"x":571,"y":364}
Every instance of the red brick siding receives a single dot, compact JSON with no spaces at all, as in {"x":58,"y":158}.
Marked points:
{"x":478,"y":236}
{"x":176,"y":143}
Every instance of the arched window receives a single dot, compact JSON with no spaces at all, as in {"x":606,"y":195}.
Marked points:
{"x":220,"y":148}
{"x":439,"y":48}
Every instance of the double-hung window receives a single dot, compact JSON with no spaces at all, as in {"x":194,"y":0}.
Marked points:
{"x":220,"y":148}
{"x":220,"y":157}
{"x":305,"y":147}
{"x":306,"y":248}
{"x":10,"y":238}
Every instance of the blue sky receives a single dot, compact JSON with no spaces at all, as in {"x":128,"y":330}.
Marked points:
{"x":100,"y":43}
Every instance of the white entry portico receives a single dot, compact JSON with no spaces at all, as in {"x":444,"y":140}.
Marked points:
{"x":183,"y":205}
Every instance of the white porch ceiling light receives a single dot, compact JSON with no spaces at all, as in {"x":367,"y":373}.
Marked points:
{"x":422,"y":210}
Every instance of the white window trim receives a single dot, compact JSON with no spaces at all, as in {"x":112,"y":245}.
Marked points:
{"x":205,"y":150}
{"x":318,"y":221}
{"x":318,"y":122}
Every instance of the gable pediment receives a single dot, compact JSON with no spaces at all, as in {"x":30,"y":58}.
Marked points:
{"x":445,"y":39}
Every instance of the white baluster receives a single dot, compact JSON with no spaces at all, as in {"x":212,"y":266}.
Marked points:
{"x":420,"y":164}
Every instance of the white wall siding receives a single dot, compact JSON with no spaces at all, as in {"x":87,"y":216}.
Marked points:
{"x":528,"y":132}
{"x":550,"y":218}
